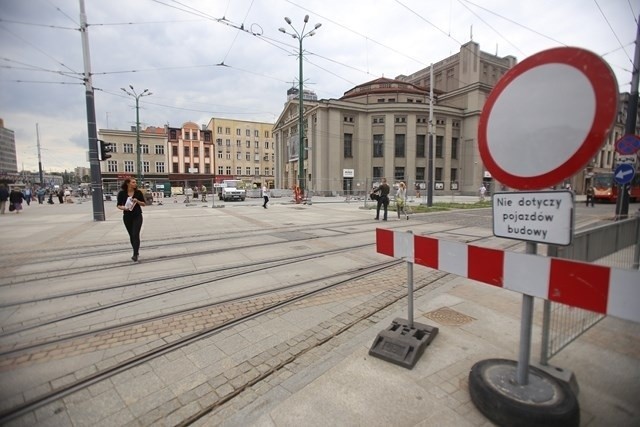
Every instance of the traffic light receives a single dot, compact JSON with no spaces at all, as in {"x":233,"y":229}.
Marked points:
{"x":104,"y":148}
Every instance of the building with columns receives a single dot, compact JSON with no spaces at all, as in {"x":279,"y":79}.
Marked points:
{"x":381,"y":129}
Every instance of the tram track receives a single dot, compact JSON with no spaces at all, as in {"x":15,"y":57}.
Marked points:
{"x":139,"y":359}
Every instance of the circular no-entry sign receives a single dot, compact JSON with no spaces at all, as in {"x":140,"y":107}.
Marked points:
{"x":547,"y":117}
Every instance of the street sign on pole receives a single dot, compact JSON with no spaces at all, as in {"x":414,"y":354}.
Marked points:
{"x":624,"y":173}
{"x":531,"y":134}
{"x":628,"y":144}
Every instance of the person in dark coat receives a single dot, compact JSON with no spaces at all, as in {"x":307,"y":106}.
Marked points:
{"x":16,"y":198}
{"x":4,"y":197}
{"x":129,"y":201}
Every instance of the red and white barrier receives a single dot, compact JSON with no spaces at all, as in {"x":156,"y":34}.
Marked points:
{"x":611,"y":291}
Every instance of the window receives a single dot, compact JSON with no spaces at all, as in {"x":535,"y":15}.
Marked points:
{"x":266,"y":171}
{"x":145,"y":166}
{"x":114,"y":147}
{"x":348,"y":149}
{"x":227,"y":155}
{"x":228,"y":143}
{"x":159,"y":149}
{"x":380,"y":99}
{"x":247,"y":156}
{"x":455,"y":124}
{"x":266,"y":145}
{"x":227,"y":131}
{"x":238,"y":170}
{"x":187,"y":135}
{"x":454,"y":174}
{"x":379,"y":119}
{"x":377,"y":172}
{"x":440,"y":122}
{"x":112,"y":166}
{"x":419,"y":174}
{"x":257,"y":171}
{"x":228,"y":170}
{"x":219,"y":154}
{"x":128,"y":148}
{"x":398,"y":173}
{"x":207,"y":136}
{"x":266,"y":134}
{"x":421,"y":145}
{"x":174,"y":150}
{"x":238,"y":132}
{"x":257,"y":144}
{"x":207,"y":168}
{"x":173,"y":134}
{"x":248,"y":144}
{"x":439,"y":146}
{"x":256,"y":157}
{"x":247,"y":171}
{"x":196,"y":151}
{"x":186,"y":167}
{"x":454,"y":148}
{"x":220,"y":170}
{"x":159,"y":167}
{"x":187,"y":151}
{"x":219,"y":141}
{"x":176,"y":169}
{"x":128,"y":166}
{"x":256,"y":134}
{"x":378,"y":145}
{"x":421,"y":119}
{"x":399,"y":146}
{"x":401,"y":119}
{"x":238,"y":143}
{"x":196,"y":167}
{"x":219,"y":129}
{"x":348,"y":119}
{"x":206,"y":152}
{"x":438,"y":174}
{"x":238,"y":156}
{"x":248,"y":132}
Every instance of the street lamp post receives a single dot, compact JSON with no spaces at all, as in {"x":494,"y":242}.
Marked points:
{"x":300,"y":36}
{"x":137,"y":97}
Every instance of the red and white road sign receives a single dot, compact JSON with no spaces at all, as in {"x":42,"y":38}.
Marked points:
{"x":606,"y":290}
{"x":547,"y":117}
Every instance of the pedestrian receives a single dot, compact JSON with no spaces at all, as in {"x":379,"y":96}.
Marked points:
{"x":401,"y":200}
{"x":61,"y":195}
{"x":482,"y":191}
{"x":590,"y":195}
{"x":27,"y":195}
{"x":4,"y":197}
{"x":203,"y":190}
{"x":15,"y":198}
{"x":130,"y":200}
{"x":40,"y":192}
{"x":195,"y":193}
{"x":383,"y":200}
{"x":265,"y":196}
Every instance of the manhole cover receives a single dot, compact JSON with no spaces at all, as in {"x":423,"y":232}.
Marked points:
{"x":449,"y":317}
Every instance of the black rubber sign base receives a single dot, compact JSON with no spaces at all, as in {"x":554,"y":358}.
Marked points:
{"x":401,"y":344}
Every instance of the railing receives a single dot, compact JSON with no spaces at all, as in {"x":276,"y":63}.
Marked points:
{"x":613,"y":245}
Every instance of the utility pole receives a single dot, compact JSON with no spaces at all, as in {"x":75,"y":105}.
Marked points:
{"x":430,"y":164}
{"x":39,"y":158}
{"x":622,"y":204}
{"x":96,"y":175}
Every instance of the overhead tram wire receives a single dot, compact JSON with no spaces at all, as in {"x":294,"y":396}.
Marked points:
{"x":613,"y":31}
{"x":64,"y":13}
{"x":491,"y":26}
{"x":55,"y":27}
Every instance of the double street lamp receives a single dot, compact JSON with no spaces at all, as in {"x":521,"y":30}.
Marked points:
{"x":137,"y":97}
{"x":300,"y":36}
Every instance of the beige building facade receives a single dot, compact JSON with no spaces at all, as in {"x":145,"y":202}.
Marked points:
{"x":381,"y":129}
{"x":243,"y":150}
{"x":123,"y":161}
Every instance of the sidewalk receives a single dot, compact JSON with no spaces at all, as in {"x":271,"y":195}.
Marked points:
{"x":332,"y":380}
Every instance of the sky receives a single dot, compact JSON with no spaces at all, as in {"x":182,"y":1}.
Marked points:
{"x":226,"y":58}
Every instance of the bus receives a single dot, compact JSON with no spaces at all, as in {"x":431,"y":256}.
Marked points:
{"x":606,"y":189}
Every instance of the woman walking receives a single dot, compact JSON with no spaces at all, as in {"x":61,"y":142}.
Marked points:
{"x":401,"y":200}
{"x":15,"y":198}
{"x":129,"y":201}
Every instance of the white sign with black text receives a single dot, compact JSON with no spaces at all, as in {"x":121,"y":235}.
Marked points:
{"x":535,"y":216}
